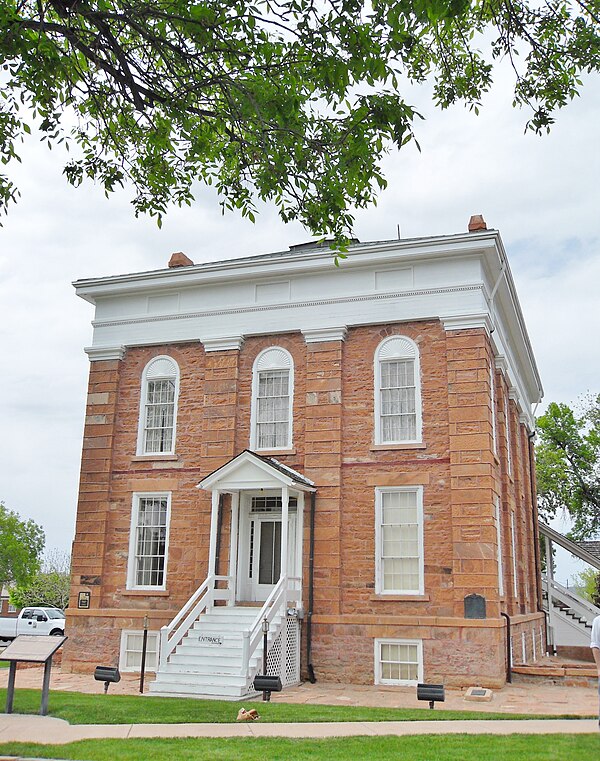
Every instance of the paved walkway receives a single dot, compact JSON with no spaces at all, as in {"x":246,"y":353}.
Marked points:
{"x":44,"y":729}
{"x":540,"y":698}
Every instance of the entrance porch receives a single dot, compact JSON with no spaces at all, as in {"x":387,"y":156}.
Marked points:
{"x":213,"y":646}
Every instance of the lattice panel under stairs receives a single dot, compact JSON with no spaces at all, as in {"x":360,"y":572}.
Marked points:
{"x":288,"y":642}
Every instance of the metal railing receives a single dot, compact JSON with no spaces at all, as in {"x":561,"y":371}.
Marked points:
{"x":582,"y":608}
{"x":202,"y":599}
{"x":287,"y":590}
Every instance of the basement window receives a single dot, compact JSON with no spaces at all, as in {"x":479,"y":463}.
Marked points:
{"x":398,"y":661}
{"x":131,"y":651}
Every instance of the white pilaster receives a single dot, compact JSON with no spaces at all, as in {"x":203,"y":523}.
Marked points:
{"x":285,"y":510}
{"x":233,"y":546}
{"x":214,"y":522}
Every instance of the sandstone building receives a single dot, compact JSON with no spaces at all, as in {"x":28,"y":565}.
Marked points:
{"x":345,"y":452}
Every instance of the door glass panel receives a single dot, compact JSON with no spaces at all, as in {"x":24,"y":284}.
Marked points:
{"x":269,"y":562}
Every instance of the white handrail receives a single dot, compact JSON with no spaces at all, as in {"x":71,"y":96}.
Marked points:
{"x":275,"y":602}
{"x":582,"y":607}
{"x":204,"y":597}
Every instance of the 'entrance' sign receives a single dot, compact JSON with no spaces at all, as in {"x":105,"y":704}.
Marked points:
{"x":210,"y":639}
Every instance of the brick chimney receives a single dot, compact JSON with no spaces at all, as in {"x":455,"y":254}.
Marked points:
{"x":179,"y":259}
{"x":476,"y":223}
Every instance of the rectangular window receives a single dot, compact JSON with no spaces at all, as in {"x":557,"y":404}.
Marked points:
{"x":273,"y":409}
{"x":148,"y":543}
{"x":398,"y":401}
{"x":159,"y":416}
{"x":493,"y":406}
{"x":499,"y":544}
{"x":131,"y":651}
{"x":398,"y":661}
{"x":514,"y":555}
{"x":399,"y":540}
{"x":507,"y":429}
{"x":12,"y":608}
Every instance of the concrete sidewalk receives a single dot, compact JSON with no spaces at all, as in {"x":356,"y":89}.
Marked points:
{"x":47,"y":730}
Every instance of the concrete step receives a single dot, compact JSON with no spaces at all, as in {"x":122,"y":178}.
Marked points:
{"x":554,"y":671}
{"x":200,"y":659}
{"x":204,"y":678}
{"x":199,"y":689}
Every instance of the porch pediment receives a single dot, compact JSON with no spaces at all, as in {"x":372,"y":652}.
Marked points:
{"x":249,"y":470}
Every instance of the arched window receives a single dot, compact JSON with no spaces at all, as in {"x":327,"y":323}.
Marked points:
{"x":272,"y":395}
{"x":397,"y":392}
{"x":158,"y":407}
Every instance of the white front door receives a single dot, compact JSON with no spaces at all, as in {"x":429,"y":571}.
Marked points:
{"x":266,"y":556}
{"x":260,"y":550}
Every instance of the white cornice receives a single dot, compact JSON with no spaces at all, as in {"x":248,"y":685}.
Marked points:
{"x":527,"y":420}
{"x":100,"y":353}
{"x":452,"y":280}
{"x":468,"y":322}
{"x":502,"y":365}
{"x":325,"y":334}
{"x":222,"y":343}
{"x":290,"y":262}
{"x":104,"y":323}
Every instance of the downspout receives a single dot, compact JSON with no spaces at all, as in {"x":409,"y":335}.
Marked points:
{"x":508,"y":655}
{"x":493,"y":293}
{"x":219,"y":528}
{"x":311,"y":573}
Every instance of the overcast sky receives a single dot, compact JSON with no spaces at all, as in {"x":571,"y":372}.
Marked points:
{"x":540,"y":192}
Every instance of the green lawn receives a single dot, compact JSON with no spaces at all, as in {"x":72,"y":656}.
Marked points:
{"x":3,"y":664}
{"x":80,"y":708}
{"x":421,"y":748}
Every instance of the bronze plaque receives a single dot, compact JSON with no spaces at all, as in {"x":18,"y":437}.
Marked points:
{"x":28,"y":647}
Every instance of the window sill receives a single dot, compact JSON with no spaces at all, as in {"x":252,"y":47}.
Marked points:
{"x":400,"y":598}
{"x":145,"y":593}
{"x":412,"y":445}
{"x":274,"y":452}
{"x":155,"y":457}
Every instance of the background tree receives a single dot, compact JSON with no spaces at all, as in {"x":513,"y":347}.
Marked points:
{"x":291,"y":101}
{"x":21,"y":545}
{"x":587,"y":583}
{"x":568,"y":465}
{"x":50,"y":586}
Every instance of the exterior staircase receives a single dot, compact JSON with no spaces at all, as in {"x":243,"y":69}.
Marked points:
{"x":567,"y":611}
{"x":214,"y":648}
{"x":209,"y":660}
{"x":569,"y":615}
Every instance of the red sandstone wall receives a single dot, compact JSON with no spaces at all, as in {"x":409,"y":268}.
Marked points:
{"x":333,"y":445}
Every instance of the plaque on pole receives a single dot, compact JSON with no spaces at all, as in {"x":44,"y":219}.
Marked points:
{"x":27,"y":648}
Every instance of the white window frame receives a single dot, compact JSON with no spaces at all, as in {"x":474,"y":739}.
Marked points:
{"x":398,"y":348}
{"x":379,"y":491}
{"x":507,"y":433}
{"x":123,"y":650}
{"x":388,"y":641}
{"x":151,"y":373}
{"x":514,"y":555}
{"x":11,"y":608}
{"x":273,"y":358}
{"x":498,"y":515}
{"x":493,"y":405}
{"x":131,"y":565}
